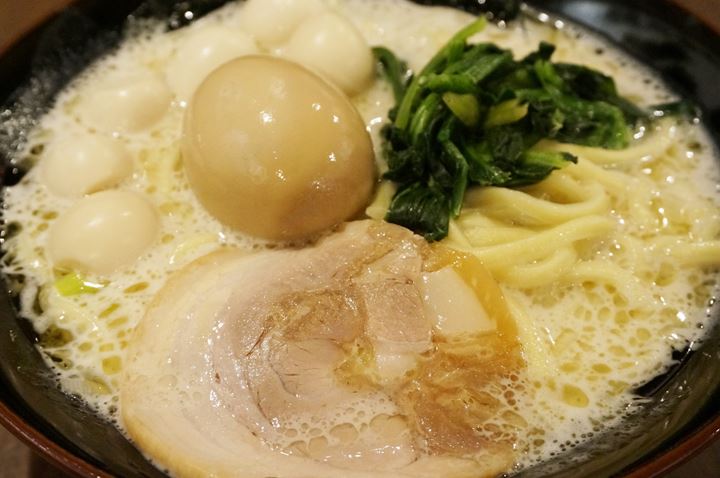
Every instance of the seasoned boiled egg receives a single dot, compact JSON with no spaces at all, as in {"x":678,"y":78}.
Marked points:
{"x":103,"y":232}
{"x":273,"y":150}
{"x":85,"y":163}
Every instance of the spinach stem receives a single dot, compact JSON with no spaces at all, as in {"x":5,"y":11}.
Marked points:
{"x":457,"y":42}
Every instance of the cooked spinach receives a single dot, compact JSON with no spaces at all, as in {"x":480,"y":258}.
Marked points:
{"x":396,"y":71}
{"x":472,"y":115}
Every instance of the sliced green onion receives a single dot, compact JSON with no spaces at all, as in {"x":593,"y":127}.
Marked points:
{"x":74,"y":284}
{"x":465,"y":107}
{"x":506,"y":112}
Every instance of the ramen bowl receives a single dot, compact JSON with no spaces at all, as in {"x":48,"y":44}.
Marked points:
{"x":681,"y":413}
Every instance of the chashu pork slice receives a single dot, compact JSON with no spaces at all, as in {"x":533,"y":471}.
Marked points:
{"x":284,"y":363}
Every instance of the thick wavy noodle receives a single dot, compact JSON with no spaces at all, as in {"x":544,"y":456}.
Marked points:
{"x":530,"y":237}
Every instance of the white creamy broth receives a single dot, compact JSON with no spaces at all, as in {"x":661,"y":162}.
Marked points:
{"x":590,"y":332}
